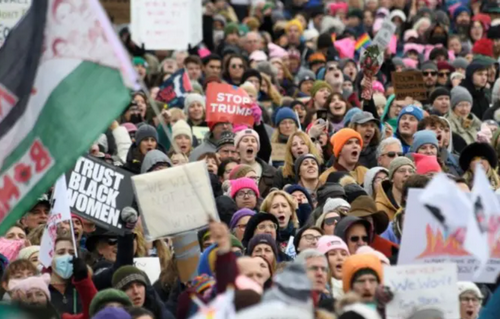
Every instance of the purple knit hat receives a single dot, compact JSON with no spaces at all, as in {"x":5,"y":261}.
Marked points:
{"x":263,"y":239}
{"x":244,"y":182}
{"x":239,"y":215}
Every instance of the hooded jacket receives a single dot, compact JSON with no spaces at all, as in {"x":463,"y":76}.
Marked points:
{"x":385,"y":116}
{"x":480,"y":102}
{"x":152,"y":158}
{"x":133,"y":163}
{"x":383,"y":202}
{"x":370,"y":176}
{"x":368,"y":156}
{"x":347,"y":222}
{"x":355,"y":263}
{"x":468,"y":131}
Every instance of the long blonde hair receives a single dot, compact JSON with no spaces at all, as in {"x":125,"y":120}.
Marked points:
{"x":162,"y":250}
{"x":492,"y":174}
{"x":288,"y":166}
{"x":268,"y":202}
{"x":273,"y":94}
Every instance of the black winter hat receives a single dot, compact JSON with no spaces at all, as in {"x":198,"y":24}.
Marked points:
{"x":437,"y":92}
{"x":252,"y":224}
{"x":353,"y":191}
{"x":249,"y":73}
{"x":494,"y":32}
{"x":478,"y":149}
{"x":324,"y":41}
{"x":330,"y":190}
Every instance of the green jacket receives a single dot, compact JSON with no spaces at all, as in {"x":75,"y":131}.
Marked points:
{"x":467,"y":132}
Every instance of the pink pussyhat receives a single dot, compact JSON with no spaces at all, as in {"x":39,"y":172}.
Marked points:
{"x":327,"y":243}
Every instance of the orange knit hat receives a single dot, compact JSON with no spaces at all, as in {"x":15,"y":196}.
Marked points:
{"x":355,"y":263}
{"x":341,"y":137}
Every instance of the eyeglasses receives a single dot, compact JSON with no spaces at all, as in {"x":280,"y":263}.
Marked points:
{"x":332,"y":220}
{"x":112,"y":241}
{"x":243,"y":194}
{"x":474,"y":300}
{"x":317,"y":268}
{"x":432,"y":73}
{"x":443,"y":74}
{"x":311,"y":237}
{"x":356,"y":239}
{"x":267,"y":226}
{"x":236,"y":66}
{"x":393,"y":154}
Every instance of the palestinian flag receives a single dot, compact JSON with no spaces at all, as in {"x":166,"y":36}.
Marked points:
{"x":64,"y":77}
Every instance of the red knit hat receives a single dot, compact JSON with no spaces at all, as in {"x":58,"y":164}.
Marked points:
{"x":426,"y":164}
{"x":341,"y":137}
{"x":483,"y":47}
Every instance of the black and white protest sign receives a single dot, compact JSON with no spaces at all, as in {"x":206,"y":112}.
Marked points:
{"x":99,"y":191}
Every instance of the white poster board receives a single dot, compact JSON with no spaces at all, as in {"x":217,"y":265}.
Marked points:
{"x":417,"y":287}
{"x":384,"y":35}
{"x":175,"y":200}
{"x":275,"y":310}
{"x":150,"y":265}
{"x":166,"y":24}
{"x":10,"y":14}
{"x":425,"y":241}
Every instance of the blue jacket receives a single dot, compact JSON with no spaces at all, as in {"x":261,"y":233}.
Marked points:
{"x":389,"y":235}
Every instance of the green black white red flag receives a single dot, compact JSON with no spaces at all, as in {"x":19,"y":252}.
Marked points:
{"x":64,"y":77}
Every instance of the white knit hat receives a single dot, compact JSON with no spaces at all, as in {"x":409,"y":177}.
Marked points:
{"x":333,"y":203}
{"x":182,"y":128}
{"x":190,"y":99}
{"x":468,"y":286}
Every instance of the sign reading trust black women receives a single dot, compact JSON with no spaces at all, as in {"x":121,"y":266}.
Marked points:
{"x":99,"y":191}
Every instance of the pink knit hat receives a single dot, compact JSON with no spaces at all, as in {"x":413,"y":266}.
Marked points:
{"x":327,"y":243}
{"x":38,"y":282}
{"x":275,"y":51}
{"x":241,"y":183}
{"x":130,"y":127}
{"x":378,"y":87}
{"x":10,"y":248}
{"x":426,"y":164}
{"x":248,"y":132}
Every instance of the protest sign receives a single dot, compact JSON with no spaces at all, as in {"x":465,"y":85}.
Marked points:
{"x":166,"y":24}
{"x":275,"y":310}
{"x":409,"y":83}
{"x":10,"y":13}
{"x":117,"y":10}
{"x":227,"y":103}
{"x":99,"y":191}
{"x":425,"y":240}
{"x":417,"y":287}
{"x":58,"y":213}
{"x":278,"y":152}
{"x":174,"y":89}
{"x":150,"y":265}
{"x":200,"y":131}
{"x":175,"y":200}
{"x":383,"y":37}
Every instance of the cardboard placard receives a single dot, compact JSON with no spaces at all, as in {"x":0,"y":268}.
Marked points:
{"x":417,"y":287}
{"x":150,"y":265}
{"x":175,"y":200}
{"x":10,"y":13}
{"x":200,"y":131}
{"x":409,"y":83}
{"x":99,"y":191}
{"x":117,"y":10}
{"x":228,"y":103}
{"x":174,"y":89}
{"x":425,"y":241}
{"x":278,"y":152}
{"x":275,"y":310}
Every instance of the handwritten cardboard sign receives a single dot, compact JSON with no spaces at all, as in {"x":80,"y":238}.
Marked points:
{"x":175,"y":200}
{"x":409,"y":83}
{"x":417,"y":287}
{"x":425,"y":241}
{"x":227,"y":103}
{"x":278,"y":152}
{"x":150,"y":265}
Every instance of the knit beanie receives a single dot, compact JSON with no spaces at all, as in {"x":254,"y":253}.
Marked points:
{"x":353,"y":191}
{"x":469,"y":286}
{"x":231,"y":28}
{"x":412,"y":110}
{"x":429,"y":65}
{"x":240,"y":171}
{"x":327,"y":243}
{"x":191,"y":98}
{"x":355,"y":265}
{"x":128,"y":274}
{"x":236,"y":243}
{"x":421,"y":138}
{"x":247,"y":132}
{"x":226,"y":138}
{"x":130,"y":127}
{"x":112,"y":313}
{"x":397,"y":163}
{"x":298,"y":162}
{"x":145,"y":131}
{"x":35,"y":282}
{"x":241,"y":183}
{"x":437,"y":92}
{"x":291,"y":286}
{"x":265,"y":239}
{"x":349,"y":114}
{"x":106,"y":296}
{"x":460,"y":63}
{"x":182,"y":128}
{"x":333,"y":203}
{"x":26,"y":252}
{"x":339,"y":139}
{"x":306,"y":75}
{"x":202,"y":283}
{"x":318,"y":85}
{"x":460,"y":94}
{"x":295,"y":23}
{"x":285,"y":113}
{"x":426,"y":164}
{"x":239,"y":215}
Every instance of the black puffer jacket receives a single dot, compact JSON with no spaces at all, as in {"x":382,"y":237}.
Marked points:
{"x":481,"y":103}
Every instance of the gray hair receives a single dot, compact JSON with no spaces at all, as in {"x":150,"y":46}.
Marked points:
{"x":309,"y":253}
{"x":386,"y":142}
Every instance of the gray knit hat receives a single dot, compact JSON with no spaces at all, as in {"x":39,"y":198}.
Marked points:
{"x":291,"y":286}
{"x":429,"y":65}
{"x":145,"y":131}
{"x":459,"y":94}
{"x":460,"y":63}
{"x":397,"y":163}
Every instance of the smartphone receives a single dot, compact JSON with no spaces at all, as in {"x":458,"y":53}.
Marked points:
{"x":321,"y":114}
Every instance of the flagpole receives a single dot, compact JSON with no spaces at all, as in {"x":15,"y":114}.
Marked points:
{"x":73,"y":236}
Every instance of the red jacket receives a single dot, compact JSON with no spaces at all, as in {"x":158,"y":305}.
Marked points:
{"x":385,"y":246}
{"x":87,"y":291}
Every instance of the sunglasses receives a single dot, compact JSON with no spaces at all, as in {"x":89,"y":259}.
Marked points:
{"x":393,"y":154}
{"x":433,"y":73}
{"x":112,"y":241}
{"x":237,"y":66}
{"x":443,"y":74}
{"x":356,"y":239}
{"x":332,"y":220}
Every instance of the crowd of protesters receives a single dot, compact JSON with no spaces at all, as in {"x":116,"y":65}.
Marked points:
{"x":315,"y":227}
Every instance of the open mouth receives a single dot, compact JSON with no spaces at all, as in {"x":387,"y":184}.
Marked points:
{"x":367,"y":136}
{"x":281,"y":219}
{"x":406,"y":126}
{"x":300,"y":153}
{"x":338,"y":267}
{"x":469,"y":313}
{"x":250,"y":151}
{"x":354,"y":153}
{"x":183,"y":148}
{"x":149,"y":149}
{"x":439,"y":137}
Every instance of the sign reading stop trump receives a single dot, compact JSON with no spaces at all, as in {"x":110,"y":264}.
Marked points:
{"x":227,"y":103}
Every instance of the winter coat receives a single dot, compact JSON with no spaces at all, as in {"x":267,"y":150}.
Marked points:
{"x":382,"y":200}
{"x":67,"y":302}
{"x":358,"y":173}
{"x":390,"y":235}
{"x":386,"y":247}
{"x":154,"y":304}
{"x":133,"y":163}
{"x":481,"y":102}
{"x":267,"y":178}
{"x":492,"y":308}
{"x":86,"y":291}
{"x":207,"y":146}
{"x":123,"y":142}
{"x":368,"y":157}
{"x":467,"y":129}
{"x":280,"y":181}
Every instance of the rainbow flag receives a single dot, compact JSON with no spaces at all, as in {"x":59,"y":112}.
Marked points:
{"x":363,"y":42}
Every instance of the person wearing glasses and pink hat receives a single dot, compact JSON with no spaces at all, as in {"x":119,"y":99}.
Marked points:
{"x":336,"y":252}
